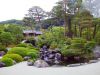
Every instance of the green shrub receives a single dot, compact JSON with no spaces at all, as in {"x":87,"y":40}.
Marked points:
{"x":7,"y":61}
{"x":78,"y":43}
{"x":97,"y":38}
{"x":90,"y":45}
{"x":15,"y":57}
{"x":19,"y":50}
{"x":2,"y":48}
{"x":33,"y":53}
{"x":71,"y":52}
{"x":53,"y":45}
{"x":22,"y":45}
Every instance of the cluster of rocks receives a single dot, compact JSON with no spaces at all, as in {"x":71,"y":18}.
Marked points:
{"x":50,"y":56}
{"x":47,"y":58}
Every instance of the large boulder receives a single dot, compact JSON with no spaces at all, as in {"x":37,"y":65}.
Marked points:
{"x":41,"y":64}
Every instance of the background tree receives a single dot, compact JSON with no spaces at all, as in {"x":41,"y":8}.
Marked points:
{"x":37,"y":14}
{"x":6,"y":38}
{"x":16,"y":32}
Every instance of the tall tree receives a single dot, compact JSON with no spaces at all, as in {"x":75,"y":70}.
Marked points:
{"x":70,"y":7}
{"x":37,"y":14}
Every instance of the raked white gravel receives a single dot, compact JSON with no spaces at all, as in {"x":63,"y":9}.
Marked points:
{"x":23,"y":69}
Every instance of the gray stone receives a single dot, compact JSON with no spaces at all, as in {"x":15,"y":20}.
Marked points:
{"x":41,"y":64}
{"x":93,"y":61}
{"x":96,"y":51}
{"x":30,"y":63}
{"x":26,"y":58}
{"x":74,"y":65}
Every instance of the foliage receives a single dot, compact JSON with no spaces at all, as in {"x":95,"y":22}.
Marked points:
{"x":97,"y":38}
{"x":71,"y":52}
{"x":7,"y":61}
{"x":22,"y":45}
{"x":6,"y":38}
{"x":54,"y":34}
{"x":78,"y":43}
{"x":15,"y":57}
{"x":16,"y":32}
{"x":19,"y":50}
{"x":2,"y":48}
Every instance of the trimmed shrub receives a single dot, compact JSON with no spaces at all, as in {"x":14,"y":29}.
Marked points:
{"x":22,"y":45}
{"x":15,"y":57}
{"x":33,"y":53}
{"x":7,"y":61}
{"x":19,"y":50}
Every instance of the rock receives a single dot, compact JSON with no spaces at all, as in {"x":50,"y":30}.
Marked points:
{"x":93,"y":61}
{"x":73,"y":65}
{"x":14,"y":62}
{"x":41,"y":64}
{"x":2,"y":53}
{"x":2,"y":64}
{"x":98,"y":59}
{"x":26,"y":58}
{"x":30,"y":63}
{"x":97,"y":52}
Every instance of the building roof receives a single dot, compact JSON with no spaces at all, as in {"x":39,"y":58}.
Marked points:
{"x":31,"y":31}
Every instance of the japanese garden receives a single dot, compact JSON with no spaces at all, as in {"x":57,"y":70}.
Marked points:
{"x":66,"y":36}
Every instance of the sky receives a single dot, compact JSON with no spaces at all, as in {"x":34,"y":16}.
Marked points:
{"x":16,"y":9}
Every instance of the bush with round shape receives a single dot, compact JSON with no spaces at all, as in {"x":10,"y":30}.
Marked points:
{"x":33,"y":53}
{"x":15,"y":57}
{"x":7,"y":61}
{"x":22,"y":45}
{"x":19,"y":50}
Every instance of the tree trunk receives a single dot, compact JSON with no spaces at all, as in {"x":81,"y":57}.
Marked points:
{"x":69,"y":34}
{"x":75,"y":33}
{"x":94,"y":32}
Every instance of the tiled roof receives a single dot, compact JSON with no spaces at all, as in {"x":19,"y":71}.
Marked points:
{"x":32,"y":31}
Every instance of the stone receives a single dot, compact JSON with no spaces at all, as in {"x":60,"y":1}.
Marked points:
{"x":2,"y":64}
{"x":2,"y":53}
{"x":73,"y":65}
{"x":93,"y":61}
{"x":41,"y":64}
{"x":96,"y":51}
{"x":26,"y":58}
{"x":30,"y":63}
